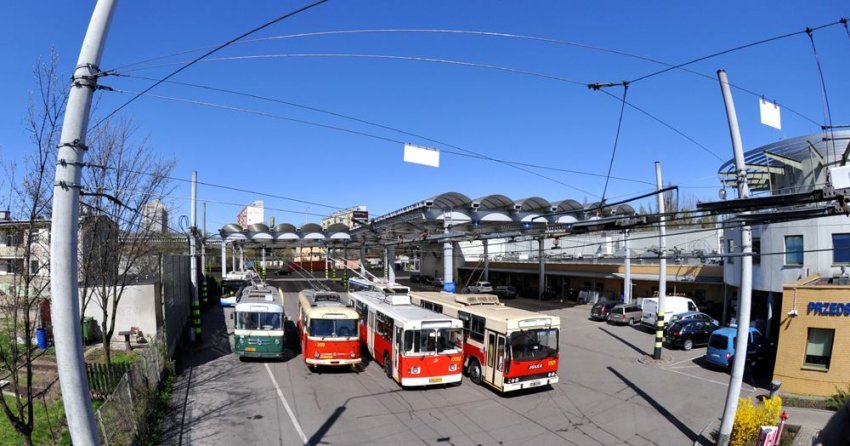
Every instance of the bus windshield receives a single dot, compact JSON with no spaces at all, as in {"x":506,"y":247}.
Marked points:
{"x":231,"y":287}
{"x":251,"y":320}
{"x":440,"y":340}
{"x":534,"y":344}
{"x":333,"y":328}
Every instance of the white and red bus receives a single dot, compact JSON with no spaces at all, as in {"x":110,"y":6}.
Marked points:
{"x":415,"y":346}
{"x":506,"y":348}
{"x":327,"y":329}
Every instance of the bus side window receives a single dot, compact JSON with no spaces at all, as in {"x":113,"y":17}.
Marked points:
{"x":464,"y":317}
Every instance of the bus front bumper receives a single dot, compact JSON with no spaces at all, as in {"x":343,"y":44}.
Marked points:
{"x":529,"y":384}
{"x":431,"y":380}
{"x":313,"y":361}
{"x":260,"y":354}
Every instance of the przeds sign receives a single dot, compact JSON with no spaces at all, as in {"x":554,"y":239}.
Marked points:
{"x":828,"y":308}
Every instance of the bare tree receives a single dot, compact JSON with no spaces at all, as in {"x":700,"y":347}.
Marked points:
{"x":123,"y":175}
{"x":30,"y":202}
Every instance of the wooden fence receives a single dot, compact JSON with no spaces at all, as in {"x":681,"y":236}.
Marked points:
{"x":103,"y":378}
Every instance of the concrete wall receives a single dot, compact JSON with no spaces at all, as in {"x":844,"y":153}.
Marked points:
{"x":140,"y":306}
{"x":793,"y":334}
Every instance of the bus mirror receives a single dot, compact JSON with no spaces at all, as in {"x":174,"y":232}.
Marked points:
{"x":232,"y":316}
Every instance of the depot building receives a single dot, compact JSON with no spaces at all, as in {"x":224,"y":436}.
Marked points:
{"x":814,"y":337}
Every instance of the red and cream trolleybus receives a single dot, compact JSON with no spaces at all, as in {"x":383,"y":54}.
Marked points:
{"x":504,"y":347}
{"x":415,"y":346}
{"x":327,"y":329}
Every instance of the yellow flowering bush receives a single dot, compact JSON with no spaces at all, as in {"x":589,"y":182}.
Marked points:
{"x":749,"y":418}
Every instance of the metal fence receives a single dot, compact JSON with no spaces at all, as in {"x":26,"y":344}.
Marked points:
{"x":121,"y":418}
{"x":176,"y":297}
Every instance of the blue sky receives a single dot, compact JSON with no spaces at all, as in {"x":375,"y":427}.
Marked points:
{"x":499,"y":114}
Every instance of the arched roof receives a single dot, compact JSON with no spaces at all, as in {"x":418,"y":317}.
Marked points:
{"x":568,"y":205}
{"x":492,"y":202}
{"x":310,"y":227}
{"x":533,"y":204}
{"x":231,"y":228}
{"x":258,"y":227}
{"x":450,"y":200}
{"x":285,"y":228}
{"x":337,"y":227}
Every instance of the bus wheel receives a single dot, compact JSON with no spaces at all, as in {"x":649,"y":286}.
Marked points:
{"x":388,"y":366}
{"x":474,"y":371}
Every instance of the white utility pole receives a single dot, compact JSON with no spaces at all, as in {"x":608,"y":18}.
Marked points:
{"x":204,"y":253}
{"x":742,"y":340}
{"x":627,"y":285}
{"x":64,"y":290}
{"x":662,"y":265}
{"x":193,"y":262}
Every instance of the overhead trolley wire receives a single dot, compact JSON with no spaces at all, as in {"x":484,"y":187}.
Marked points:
{"x":346,"y":130}
{"x":208,"y":53}
{"x":733,"y":49}
{"x":383,"y":126}
{"x":616,"y":140}
{"x":824,"y":95}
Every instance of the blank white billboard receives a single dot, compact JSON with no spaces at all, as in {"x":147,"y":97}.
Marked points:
{"x":421,"y":155}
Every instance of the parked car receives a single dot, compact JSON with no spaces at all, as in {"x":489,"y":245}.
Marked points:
{"x":687,"y":334}
{"x":415,"y":278}
{"x":599,"y":311}
{"x":625,"y":314}
{"x":282,"y":272}
{"x":721,"y":347}
{"x":505,"y":291}
{"x":438,"y":282}
{"x":672,"y":305}
{"x":692,"y":315}
{"x":481,"y":287}
{"x":426,"y":280}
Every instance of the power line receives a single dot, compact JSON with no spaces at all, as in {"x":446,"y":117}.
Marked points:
{"x":385,"y":127}
{"x":346,"y":130}
{"x":208,"y":53}
{"x":824,"y":95}
{"x":730,"y":50}
{"x":616,"y":140}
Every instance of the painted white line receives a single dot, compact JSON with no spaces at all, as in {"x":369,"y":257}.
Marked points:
{"x":286,"y":406}
{"x":724,"y":384}
{"x":685,"y":360}
{"x":581,"y":326}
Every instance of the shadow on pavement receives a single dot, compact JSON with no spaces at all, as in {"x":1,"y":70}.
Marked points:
{"x":632,"y":346}
{"x":215,"y":342}
{"x":692,"y":436}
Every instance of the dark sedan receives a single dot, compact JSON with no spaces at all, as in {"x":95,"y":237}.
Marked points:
{"x":689,"y":334}
{"x":600,"y":310}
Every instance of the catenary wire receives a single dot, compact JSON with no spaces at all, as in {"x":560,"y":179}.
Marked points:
{"x":208,"y":53}
{"x":824,"y":95}
{"x":383,"y":126}
{"x":731,"y":50}
{"x":616,"y":140}
{"x":341,"y":129}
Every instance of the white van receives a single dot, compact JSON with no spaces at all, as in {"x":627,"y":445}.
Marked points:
{"x":672,"y":305}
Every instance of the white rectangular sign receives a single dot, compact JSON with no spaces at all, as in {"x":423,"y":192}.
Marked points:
{"x":421,"y":155}
{"x":770,"y":114}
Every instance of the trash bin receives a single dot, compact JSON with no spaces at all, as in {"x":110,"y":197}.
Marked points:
{"x":88,"y":329}
{"x":41,"y":338}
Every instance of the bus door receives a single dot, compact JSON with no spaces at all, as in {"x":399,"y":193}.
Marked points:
{"x":370,"y":333}
{"x":397,"y":349}
{"x":494,"y":371}
{"x":501,"y":362}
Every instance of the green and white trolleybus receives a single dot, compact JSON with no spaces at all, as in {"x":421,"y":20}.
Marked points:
{"x":259,"y":321}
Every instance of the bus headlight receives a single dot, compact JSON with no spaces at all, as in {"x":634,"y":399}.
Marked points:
{"x":452,"y":367}
{"x":277,"y":341}
{"x":352,"y":354}
{"x":414,"y":370}
{"x":316,"y":355}
{"x":551,"y":374}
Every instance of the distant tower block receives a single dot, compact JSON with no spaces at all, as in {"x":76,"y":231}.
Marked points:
{"x":156,"y":214}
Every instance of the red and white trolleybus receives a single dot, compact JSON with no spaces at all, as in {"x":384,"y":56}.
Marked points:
{"x":504,"y":347}
{"x":327,"y":329}
{"x":415,"y":346}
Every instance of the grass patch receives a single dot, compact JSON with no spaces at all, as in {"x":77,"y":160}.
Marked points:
{"x":810,"y":403}
{"x":157,"y":412}
{"x":118,"y":356}
{"x":49,"y":426}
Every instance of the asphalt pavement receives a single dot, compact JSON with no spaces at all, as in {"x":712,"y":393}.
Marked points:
{"x":605,"y":396}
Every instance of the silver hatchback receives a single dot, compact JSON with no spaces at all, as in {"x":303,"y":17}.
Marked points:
{"x":625,"y":314}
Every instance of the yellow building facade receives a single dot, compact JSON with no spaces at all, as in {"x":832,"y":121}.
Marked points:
{"x":814,"y":337}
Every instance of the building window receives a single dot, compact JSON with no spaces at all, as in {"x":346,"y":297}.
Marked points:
{"x":840,"y":248}
{"x":793,"y":249}
{"x":33,"y":267}
{"x":756,"y":251}
{"x":819,"y":348}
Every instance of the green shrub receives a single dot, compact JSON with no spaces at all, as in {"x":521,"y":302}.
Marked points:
{"x":839,"y":398}
{"x":749,"y":418}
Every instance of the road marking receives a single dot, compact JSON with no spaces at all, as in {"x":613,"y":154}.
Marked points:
{"x":724,"y":384}
{"x":685,"y":360}
{"x":286,"y":406}
{"x":581,"y":326}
